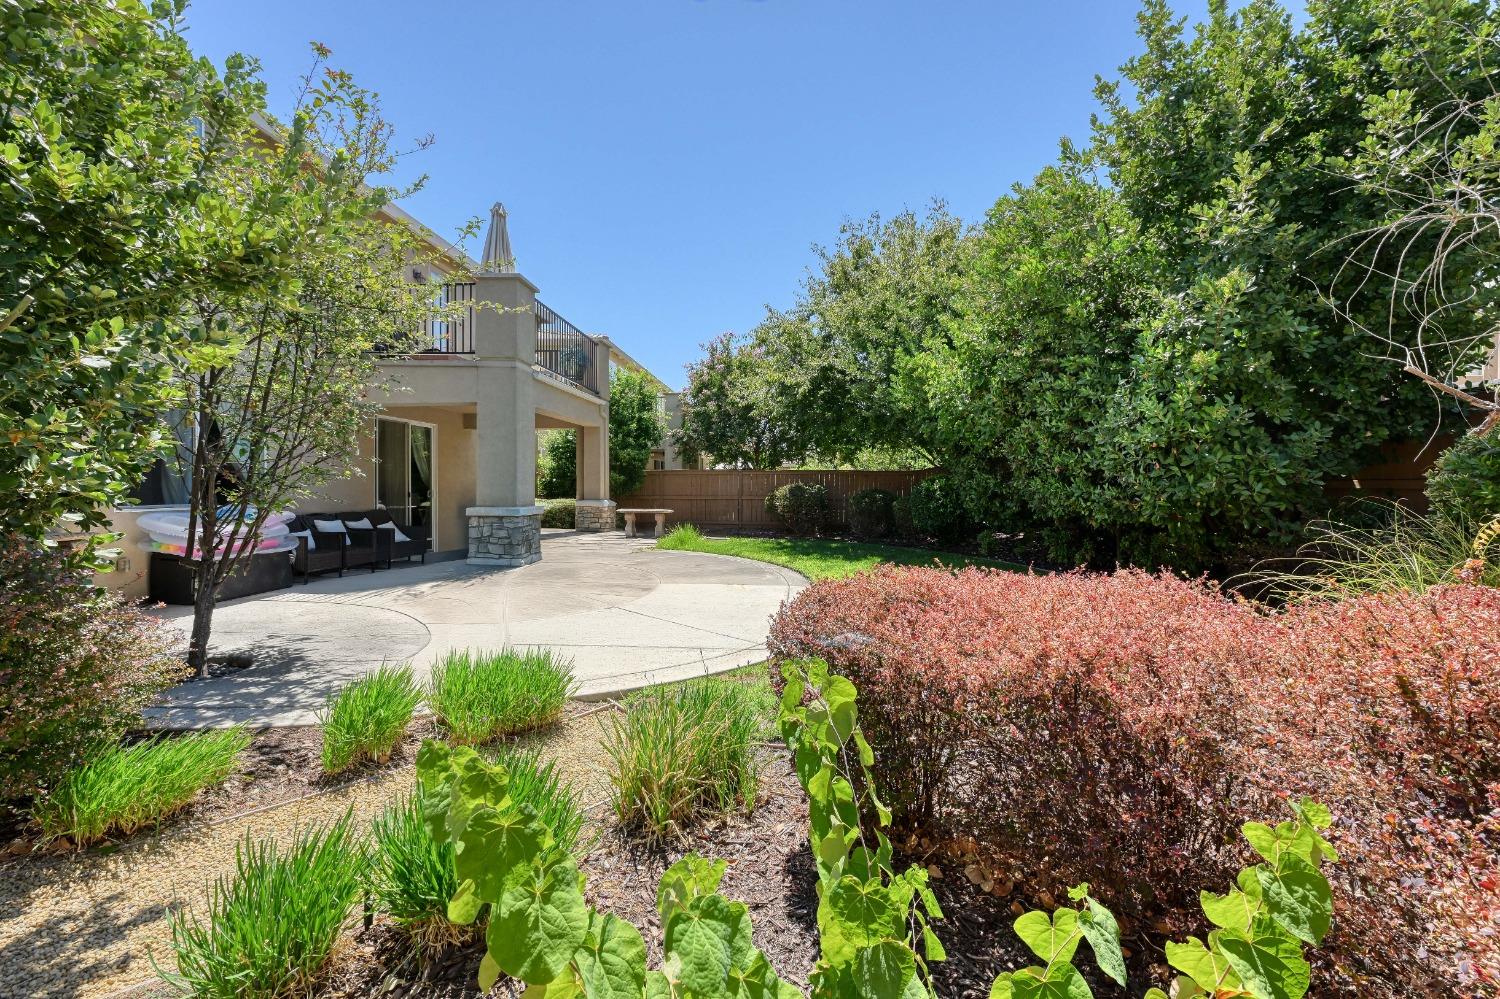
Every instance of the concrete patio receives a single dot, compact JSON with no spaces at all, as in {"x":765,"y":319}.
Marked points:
{"x":626,"y":614}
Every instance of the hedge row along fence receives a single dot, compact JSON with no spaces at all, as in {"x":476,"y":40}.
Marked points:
{"x":1114,"y":728}
{"x":735,"y":499}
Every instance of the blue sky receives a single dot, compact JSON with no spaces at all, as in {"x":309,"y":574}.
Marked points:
{"x":669,"y":164}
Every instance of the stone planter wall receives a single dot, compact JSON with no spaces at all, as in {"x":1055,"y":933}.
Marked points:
{"x":594,"y":515}
{"x":505,"y":535}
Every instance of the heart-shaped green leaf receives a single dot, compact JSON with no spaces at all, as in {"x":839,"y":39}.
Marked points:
{"x":1210,"y":970}
{"x":1298,"y":897}
{"x":493,"y":847}
{"x":1267,"y":959}
{"x":541,"y":919}
{"x":612,"y":961}
{"x":707,"y":938}
{"x":1051,"y":939}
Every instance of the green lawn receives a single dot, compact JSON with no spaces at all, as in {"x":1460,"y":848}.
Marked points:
{"x":820,"y":558}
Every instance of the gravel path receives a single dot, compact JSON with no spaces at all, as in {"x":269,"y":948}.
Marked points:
{"x":88,"y":924}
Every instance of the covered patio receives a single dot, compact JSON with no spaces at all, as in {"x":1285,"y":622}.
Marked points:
{"x":626,"y":614}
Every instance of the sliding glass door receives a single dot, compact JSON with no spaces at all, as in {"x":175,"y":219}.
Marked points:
{"x":404,"y":483}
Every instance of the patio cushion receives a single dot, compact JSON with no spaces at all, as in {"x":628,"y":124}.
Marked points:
{"x":312,"y":543}
{"x":396,"y":534}
{"x":330,"y":526}
{"x":362,"y":524}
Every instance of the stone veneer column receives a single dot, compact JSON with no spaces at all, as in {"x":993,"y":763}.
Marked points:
{"x":505,"y":536}
{"x":594,"y":515}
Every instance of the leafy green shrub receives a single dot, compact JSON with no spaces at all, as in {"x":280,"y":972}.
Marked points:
{"x":366,"y":719}
{"x":681,"y":750}
{"x":480,"y":696}
{"x":77,"y":665}
{"x":270,"y":928}
{"x":937,"y":511}
{"x":559,"y":513}
{"x":122,"y":790}
{"x":412,"y":872}
{"x":1464,"y":483}
{"x":872,"y":513}
{"x":800,"y":507}
{"x":541,"y":930}
{"x":901,"y":522}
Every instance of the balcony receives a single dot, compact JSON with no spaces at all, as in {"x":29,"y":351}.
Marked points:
{"x":454,"y":334}
{"x":564,"y":349}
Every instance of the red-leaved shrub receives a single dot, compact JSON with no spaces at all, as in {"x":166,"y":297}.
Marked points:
{"x":1117,"y":729}
{"x":77,"y":665}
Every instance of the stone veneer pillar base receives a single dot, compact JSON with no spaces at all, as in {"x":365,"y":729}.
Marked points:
{"x":504,"y":536}
{"x":594,"y":515}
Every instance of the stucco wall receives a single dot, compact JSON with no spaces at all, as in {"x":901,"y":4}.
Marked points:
{"x":132,"y":580}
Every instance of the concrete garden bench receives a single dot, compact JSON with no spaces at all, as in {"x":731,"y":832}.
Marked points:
{"x":629,"y":515}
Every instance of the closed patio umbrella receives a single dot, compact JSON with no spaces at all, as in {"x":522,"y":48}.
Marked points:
{"x":498,"y":257}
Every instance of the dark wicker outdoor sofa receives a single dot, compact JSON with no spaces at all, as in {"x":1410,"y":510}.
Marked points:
{"x":374,"y":547}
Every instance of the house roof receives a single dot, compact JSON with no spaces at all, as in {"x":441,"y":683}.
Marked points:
{"x":624,"y":360}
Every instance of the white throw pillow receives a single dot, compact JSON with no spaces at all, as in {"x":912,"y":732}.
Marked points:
{"x":362,"y":524}
{"x":311,"y":542}
{"x":396,"y":534}
{"x":331,"y":526}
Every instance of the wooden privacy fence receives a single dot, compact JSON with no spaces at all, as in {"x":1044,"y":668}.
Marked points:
{"x":733,"y":499}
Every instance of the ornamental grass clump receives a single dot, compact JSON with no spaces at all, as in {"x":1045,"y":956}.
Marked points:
{"x":1153,"y":711}
{"x":683,"y":537}
{"x":412,"y":875}
{"x":681,"y":751}
{"x":480,"y":696}
{"x":125,"y":789}
{"x":366,"y":719}
{"x":536,"y":781}
{"x":271,"y":927}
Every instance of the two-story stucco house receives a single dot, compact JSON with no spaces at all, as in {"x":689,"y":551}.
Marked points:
{"x":454,"y":445}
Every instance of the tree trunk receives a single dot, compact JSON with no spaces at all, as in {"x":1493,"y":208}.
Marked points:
{"x":204,"y":601}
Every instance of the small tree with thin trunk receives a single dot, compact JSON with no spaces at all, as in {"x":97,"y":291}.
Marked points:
{"x":276,"y":401}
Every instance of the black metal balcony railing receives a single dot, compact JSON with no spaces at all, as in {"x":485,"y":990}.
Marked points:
{"x":454,"y":333}
{"x":564,"y":349}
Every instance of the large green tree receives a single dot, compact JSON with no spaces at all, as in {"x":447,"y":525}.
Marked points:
{"x":112,"y":213}
{"x":1229,"y":145}
{"x":1156,"y":351}
{"x":734,"y":412}
{"x":834,"y":364}
{"x":1020,"y":398}
{"x":636,"y":429}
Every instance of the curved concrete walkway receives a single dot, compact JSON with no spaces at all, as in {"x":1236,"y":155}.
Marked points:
{"x":626,"y":614}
